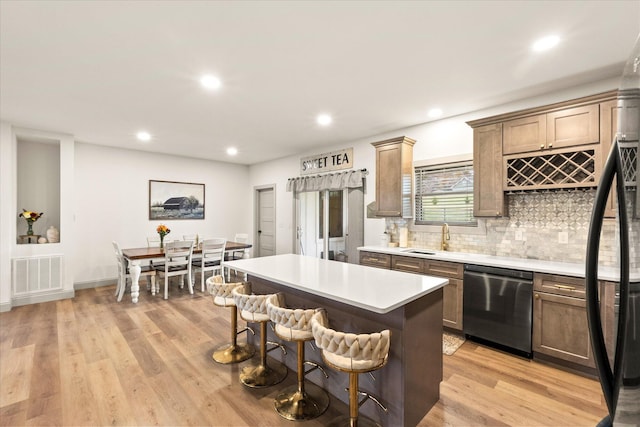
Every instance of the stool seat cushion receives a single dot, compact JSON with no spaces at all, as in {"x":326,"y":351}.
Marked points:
{"x":291,"y":334}
{"x":352,"y":352}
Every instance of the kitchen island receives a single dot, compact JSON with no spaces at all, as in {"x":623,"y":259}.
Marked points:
{"x":363,"y":299}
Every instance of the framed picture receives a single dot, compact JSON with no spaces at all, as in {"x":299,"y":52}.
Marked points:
{"x":175,"y":200}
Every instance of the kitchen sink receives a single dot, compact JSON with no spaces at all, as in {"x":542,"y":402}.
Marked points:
{"x":420,"y":251}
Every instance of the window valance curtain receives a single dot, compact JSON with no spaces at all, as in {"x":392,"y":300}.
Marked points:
{"x":330,"y":181}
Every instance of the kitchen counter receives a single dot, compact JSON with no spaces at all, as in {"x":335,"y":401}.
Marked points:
{"x":351,"y":284}
{"x":535,"y":265}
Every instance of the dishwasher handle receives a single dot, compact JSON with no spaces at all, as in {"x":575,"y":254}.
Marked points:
{"x":501,"y":272}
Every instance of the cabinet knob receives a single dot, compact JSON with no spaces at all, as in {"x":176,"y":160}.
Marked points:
{"x":497,"y":213}
{"x":542,"y":146}
{"x":550,"y":144}
{"x":537,"y":296}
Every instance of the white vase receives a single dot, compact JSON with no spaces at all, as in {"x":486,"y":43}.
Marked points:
{"x":53,"y":235}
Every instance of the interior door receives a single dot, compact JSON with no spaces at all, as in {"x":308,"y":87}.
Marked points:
{"x":266,"y":230}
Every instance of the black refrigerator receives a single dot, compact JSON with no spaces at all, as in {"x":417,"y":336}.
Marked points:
{"x":618,"y":365}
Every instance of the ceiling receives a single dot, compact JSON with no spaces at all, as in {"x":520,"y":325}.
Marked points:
{"x":103,"y":70}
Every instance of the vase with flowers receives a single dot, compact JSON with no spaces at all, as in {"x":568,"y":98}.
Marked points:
{"x":30,"y":217}
{"x":162,"y":230}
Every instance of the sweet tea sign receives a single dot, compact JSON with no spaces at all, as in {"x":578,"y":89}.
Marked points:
{"x":327,"y":162}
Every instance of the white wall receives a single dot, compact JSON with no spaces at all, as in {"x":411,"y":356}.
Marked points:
{"x":442,"y":138}
{"x":112,"y":196}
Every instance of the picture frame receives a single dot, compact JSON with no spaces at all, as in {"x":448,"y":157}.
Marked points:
{"x":170,"y":200}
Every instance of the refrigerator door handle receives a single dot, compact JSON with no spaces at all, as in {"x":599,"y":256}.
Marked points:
{"x":610,"y":379}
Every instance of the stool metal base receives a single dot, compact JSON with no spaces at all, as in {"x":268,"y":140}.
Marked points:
{"x":263,"y":375}
{"x":345,"y":421}
{"x":229,"y":353}
{"x":296,"y":406}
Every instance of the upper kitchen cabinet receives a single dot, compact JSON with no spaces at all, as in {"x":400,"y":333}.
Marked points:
{"x":558,"y":146}
{"x":566,"y":127}
{"x":488,"y":197}
{"x":394,"y":177}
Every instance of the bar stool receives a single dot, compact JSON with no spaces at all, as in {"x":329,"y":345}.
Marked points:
{"x":354,"y":354}
{"x":231,"y":352}
{"x":253,"y":308}
{"x":297,"y":402}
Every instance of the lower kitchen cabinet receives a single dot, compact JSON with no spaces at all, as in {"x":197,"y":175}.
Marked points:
{"x":452,"y":293}
{"x":560,"y":325}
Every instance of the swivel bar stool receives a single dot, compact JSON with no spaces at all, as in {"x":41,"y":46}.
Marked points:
{"x":297,"y":402}
{"x":253,"y":308}
{"x":232,"y":352}
{"x":354,"y":354}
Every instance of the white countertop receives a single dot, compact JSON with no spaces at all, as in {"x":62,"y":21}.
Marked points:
{"x":535,"y":265}
{"x":369,"y":288}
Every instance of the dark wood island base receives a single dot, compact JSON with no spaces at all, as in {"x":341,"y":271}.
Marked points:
{"x":409,"y":385}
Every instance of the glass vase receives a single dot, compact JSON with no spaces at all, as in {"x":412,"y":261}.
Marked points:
{"x":29,"y":228}
{"x":161,"y":241}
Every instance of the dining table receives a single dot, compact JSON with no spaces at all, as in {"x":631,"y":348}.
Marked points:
{"x":135,"y":255}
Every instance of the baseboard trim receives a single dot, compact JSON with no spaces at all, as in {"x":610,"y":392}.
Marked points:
{"x":95,"y":283}
{"x":41,"y":297}
{"x":5,"y":306}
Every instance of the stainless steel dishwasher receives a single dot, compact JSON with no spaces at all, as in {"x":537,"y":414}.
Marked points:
{"x":498,"y":307}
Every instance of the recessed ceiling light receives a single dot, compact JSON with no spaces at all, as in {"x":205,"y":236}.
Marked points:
{"x":143,"y":136}
{"x":210,"y":82}
{"x":324,"y":120}
{"x":545,"y":43}
{"x":232,"y":151}
{"x":435,"y":112}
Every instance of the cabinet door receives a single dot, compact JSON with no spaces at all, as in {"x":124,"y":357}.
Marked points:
{"x":488,"y":197}
{"x":452,"y":305}
{"x":573,"y":126}
{"x":608,"y":127}
{"x":374,"y":259}
{"x":525,"y":134}
{"x":560,"y":328}
{"x":388,"y":180}
{"x":408,"y":264}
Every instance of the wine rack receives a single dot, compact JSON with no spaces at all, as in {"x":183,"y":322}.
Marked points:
{"x":558,"y":170}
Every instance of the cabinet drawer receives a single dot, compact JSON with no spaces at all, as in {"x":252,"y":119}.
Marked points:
{"x":559,"y":285}
{"x":444,"y":269}
{"x":374,"y":259}
{"x":409,"y":264}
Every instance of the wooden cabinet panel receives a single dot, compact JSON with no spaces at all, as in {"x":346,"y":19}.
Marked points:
{"x":488,"y":197}
{"x":452,"y":293}
{"x":608,"y":127}
{"x":452,"y":305}
{"x":560,"y":328}
{"x":408,"y":264}
{"x":573,"y":126}
{"x":525,"y":134}
{"x":394,"y":177}
{"x":374,"y":259}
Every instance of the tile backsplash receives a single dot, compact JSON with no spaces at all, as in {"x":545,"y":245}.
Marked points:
{"x":533,"y":230}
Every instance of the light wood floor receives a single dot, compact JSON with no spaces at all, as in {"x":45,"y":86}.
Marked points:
{"x":93,"y":361}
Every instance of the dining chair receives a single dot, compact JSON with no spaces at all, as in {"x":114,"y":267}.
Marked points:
{"x":192,"y":237}
{"x":211,"y":258}
{"x":177,"y":262}
{"x":123,"y":273}
{"x":243,"y":253}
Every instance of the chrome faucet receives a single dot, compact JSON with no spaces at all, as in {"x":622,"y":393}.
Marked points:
{"x":445,"y":237}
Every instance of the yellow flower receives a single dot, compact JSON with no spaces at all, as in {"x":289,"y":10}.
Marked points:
{"x":30,"y":216}
{"x":163,"y":230}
